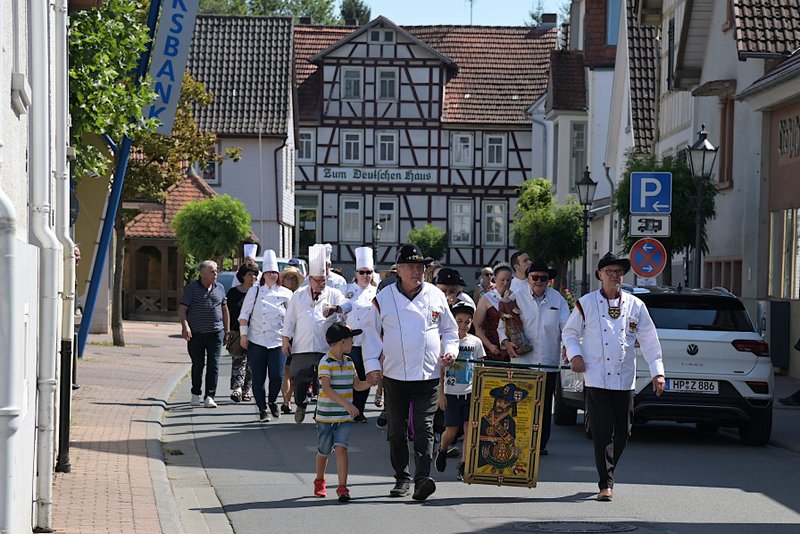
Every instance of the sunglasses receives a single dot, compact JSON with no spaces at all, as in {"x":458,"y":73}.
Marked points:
{"x":538,"y":278}
{"x":364,"y":272}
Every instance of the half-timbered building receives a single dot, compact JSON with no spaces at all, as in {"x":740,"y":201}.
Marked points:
{"x":403,"y":126}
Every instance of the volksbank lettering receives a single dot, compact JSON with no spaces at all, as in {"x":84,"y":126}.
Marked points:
{"x":348,"y":174}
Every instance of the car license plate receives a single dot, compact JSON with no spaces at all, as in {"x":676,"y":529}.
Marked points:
{"x":680,"y":385}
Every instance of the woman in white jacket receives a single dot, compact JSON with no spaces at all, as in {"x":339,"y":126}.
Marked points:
{"x":360,"y":294}
{"x":261,"y":328}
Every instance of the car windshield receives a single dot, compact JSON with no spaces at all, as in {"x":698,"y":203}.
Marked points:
{"x":698,"y":313}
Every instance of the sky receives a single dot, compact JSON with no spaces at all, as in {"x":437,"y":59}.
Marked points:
{"x":484,"y":12}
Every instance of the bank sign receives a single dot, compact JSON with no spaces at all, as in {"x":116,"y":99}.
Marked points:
{"x":170,"y":52}
{"x":376,"y":175}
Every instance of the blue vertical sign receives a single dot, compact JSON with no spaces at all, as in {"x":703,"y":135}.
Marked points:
{"x":170,"y":53}
{"x":651,"y":192}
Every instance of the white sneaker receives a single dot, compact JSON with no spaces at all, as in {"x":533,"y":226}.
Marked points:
{"x":210,"y":403}
{"x":197,"y":400}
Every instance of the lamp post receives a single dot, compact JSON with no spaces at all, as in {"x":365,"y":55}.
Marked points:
{"x":586,"y":188}
{"x":702,"y":155}
{"x":376,"y":234}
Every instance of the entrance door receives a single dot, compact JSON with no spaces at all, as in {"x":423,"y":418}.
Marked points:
{"x":307,"y":214}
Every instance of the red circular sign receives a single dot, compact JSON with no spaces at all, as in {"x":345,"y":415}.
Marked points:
{"x":648,"y":257}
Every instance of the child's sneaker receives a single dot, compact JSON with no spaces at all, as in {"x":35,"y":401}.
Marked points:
{"x":319,"y":487}
{"x":343,"y":493}
{"x":460,"y":475}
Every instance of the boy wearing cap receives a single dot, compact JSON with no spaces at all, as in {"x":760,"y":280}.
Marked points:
{"x":335,"y":409}
{"x":455,"y":386}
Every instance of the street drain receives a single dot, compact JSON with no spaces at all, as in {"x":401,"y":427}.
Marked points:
{"x":573,"y":527}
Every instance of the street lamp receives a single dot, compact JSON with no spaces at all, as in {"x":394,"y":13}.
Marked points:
{"x":702,"y":155}
{"x":586,"y":188}
{"x":376,"y":234}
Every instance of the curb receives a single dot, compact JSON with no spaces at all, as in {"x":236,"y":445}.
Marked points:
{"x":168,"y":515}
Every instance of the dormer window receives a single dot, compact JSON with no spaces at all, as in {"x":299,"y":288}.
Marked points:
{"x":381,"y":36}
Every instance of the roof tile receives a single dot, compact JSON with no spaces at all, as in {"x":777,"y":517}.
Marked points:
{"x":767,"y":27}
{"x":643,"y":59}
{"x":157,"y":224}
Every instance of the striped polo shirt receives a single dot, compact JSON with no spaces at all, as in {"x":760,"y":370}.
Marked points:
{"x":205,"y":306}
{"x":341,"y":374}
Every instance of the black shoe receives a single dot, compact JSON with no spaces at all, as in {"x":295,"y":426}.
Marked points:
{"x":424,"y":489}
{"x":441,"y":461}
{"x":453,"y":452}
{"x":400,"y":489}
{"x":789,"y":401}
{"x":285,"y":409}
{"x":76,"y":387}
{"x":264,"y":416}
{"x":381,"y":422}
{"x":273,"y":409}
{"x":360,"y":418}
{"x":460,"y":475}
{"x":543,"y":452}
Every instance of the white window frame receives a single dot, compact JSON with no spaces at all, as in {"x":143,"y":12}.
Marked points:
{"x":379,"y":84}
{"x":343,"y":83}
{"x":382,"y":35}
{"x":493,"y":138}
{"x":469,"y":216}
{"x":379,"y":134}
{"x":311,"y":156}
{"x":456,"y":150}
{"x":355,"y":234}
{"x":343,"y":144}
{"x":578,"y":157}
{"x":388,"y":219}
{"x":211,"y":172}
{"x":486,"y":214}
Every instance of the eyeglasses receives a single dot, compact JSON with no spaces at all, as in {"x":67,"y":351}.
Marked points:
{"x":539,"y":278}
{"x":613,"y":272}
{"x":364,"y":272}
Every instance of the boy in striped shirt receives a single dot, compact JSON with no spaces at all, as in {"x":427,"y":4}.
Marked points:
{"x":335,"y":409}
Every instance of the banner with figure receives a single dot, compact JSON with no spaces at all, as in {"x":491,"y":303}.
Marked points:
{"x":505,"y":417}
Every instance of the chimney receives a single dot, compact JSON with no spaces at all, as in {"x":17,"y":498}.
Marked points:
{"x":549,"y":21}
{"x":351,"y":22}
{"x":305,"y":20}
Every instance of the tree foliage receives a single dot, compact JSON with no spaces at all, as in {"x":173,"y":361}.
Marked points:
{"x":355,"y":9}
{"x":545,"y":229}
{"x":684,"y":201}
{"x":225,"y":7}
{"x":431,"y":239}
{"x":104,"y":49}
{"x":212,"y":228}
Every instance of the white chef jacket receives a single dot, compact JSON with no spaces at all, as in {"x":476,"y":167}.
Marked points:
{"x":361,"y":302}
{"x":337,"y":282}
{"x":542,"y":323}
{"x":607,"y":346}
{"x":265,"y":308}
{"x":415,"y":333}
{"x":304,"y":323}
{"x":519,"y":285}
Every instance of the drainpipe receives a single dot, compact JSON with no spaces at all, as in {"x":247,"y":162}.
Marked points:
{"x":50,"y":257}
{"x":63,"y":196}
{"x":278,"y":197}
{"x":610,"y":209}
{"x":10,"y":326}
{"x":545,"y":151}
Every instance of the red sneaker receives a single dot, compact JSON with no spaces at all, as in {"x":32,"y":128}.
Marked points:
{"x":319,"y":487}
{"x":343,"y":493}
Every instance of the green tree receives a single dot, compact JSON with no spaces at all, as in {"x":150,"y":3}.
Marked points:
{"x":535,"y":14}
{"x":225,"y":7}
{"x":320,"y":11}
{"x":104,"y":49}
{"x":212,"y":228}
{"x":545,"y":229}
{"x":431,"y":239}
{"x":684,"y":202}
{"x":355,"y":9}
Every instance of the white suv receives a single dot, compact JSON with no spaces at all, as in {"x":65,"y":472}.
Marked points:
{"x":717,"y":367}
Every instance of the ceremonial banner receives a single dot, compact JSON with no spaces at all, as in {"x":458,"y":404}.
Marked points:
{"x":505,"y":417}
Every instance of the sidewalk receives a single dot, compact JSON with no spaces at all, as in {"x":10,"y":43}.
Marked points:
{"x":119,"y":482}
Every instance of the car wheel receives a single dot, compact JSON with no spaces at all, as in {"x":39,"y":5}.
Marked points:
{"x":757,"y":430}
{"x":587,"y":430}
{"x":707,"y":428}
{"x":563,"y":414}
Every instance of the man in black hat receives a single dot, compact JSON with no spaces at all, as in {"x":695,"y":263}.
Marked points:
{"x":599,"y":337}
{"x":543,"y":312}
{"x":417,"y":327}
{"x":452,"y":285}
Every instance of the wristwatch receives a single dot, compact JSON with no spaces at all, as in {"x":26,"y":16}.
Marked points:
{"x":503,"y":343}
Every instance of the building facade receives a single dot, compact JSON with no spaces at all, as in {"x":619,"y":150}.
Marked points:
{"x":404,"y":126}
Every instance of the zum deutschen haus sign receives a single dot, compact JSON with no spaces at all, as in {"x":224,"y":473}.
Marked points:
{"x":376,"y":175}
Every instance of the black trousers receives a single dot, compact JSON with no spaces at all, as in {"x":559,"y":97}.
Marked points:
{"x":400,"y":398}
{"x":304,"y":372}
{"x":610,"y":420}
{"x":359,"y":397}
{"x":204,"y":349}
{"x":547,"y":415}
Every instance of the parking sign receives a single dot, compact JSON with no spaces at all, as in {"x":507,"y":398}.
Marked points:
{"x":651,"y":192}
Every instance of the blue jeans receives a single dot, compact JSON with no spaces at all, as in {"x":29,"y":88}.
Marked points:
{"x":265,"y":361}
{"x":330,"y":435}
{"x":204,"y":349}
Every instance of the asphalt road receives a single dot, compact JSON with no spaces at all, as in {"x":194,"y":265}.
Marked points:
{"x":230,"y":473}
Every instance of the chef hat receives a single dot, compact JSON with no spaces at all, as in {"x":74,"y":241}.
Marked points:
{"x":270,"y":261}
{"x":316,"y":260}
{"x":328,"y":251}
{"x":250,"y":250}
{"x":364,"y":258}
